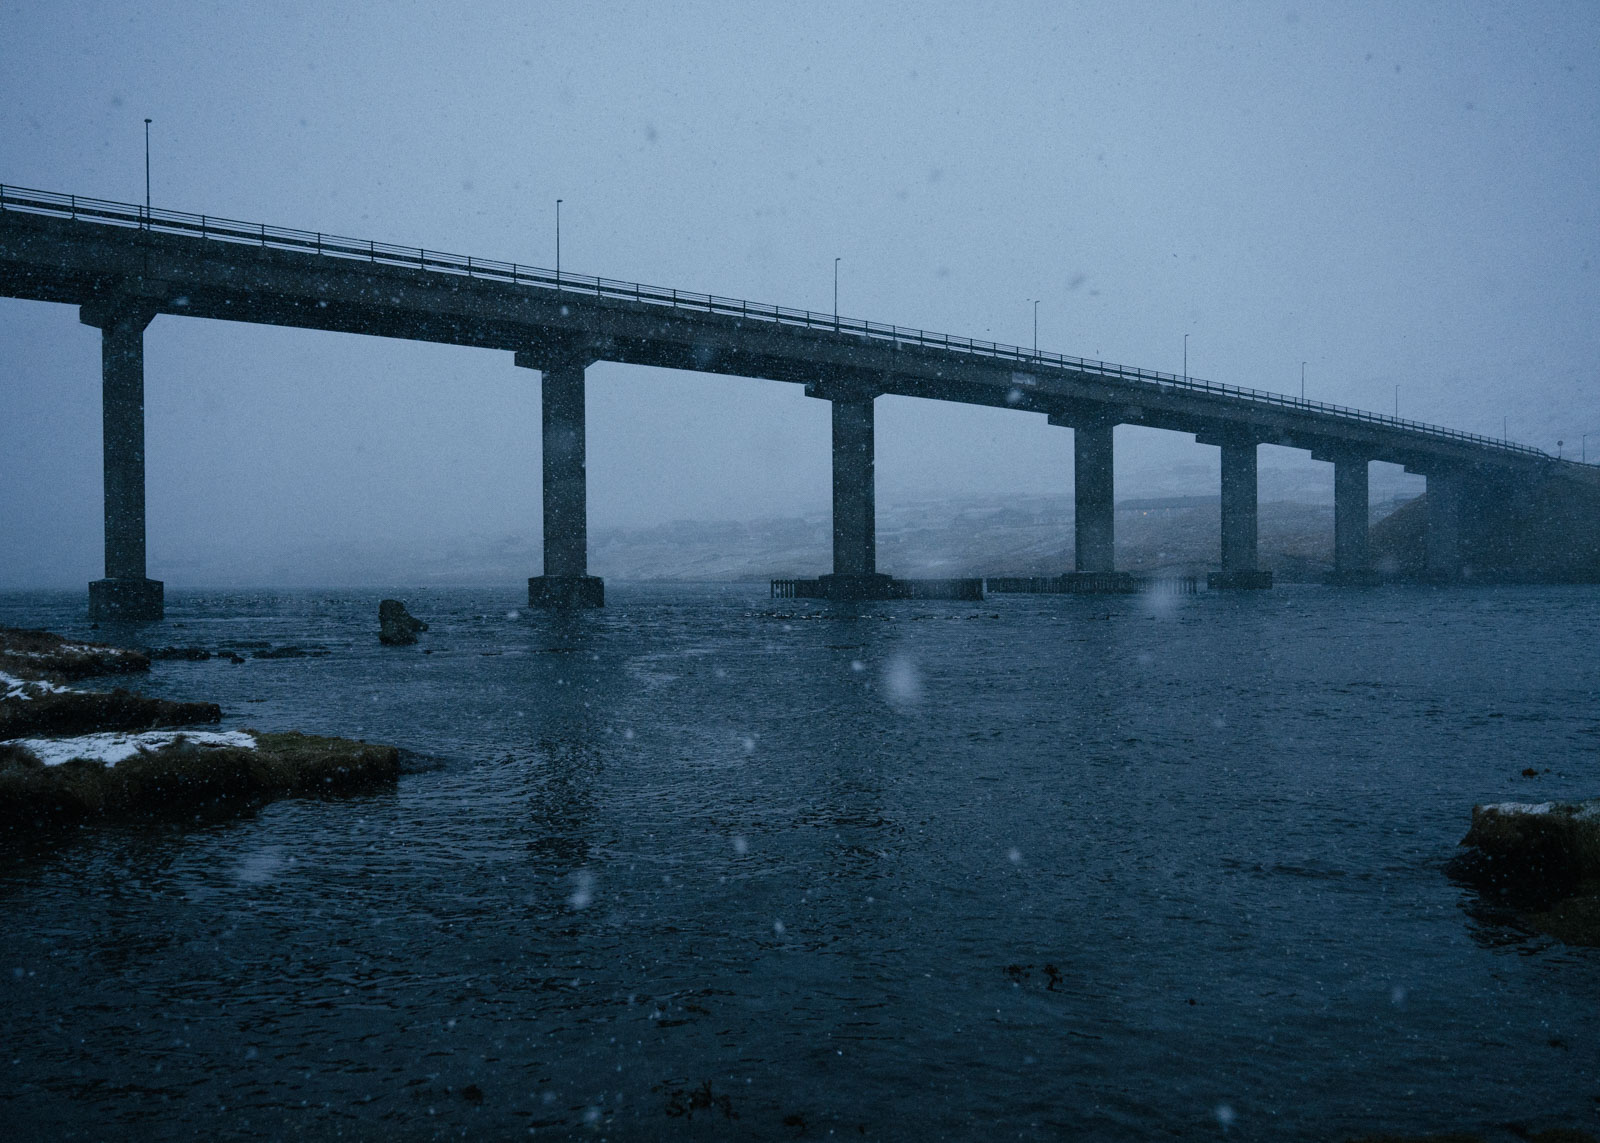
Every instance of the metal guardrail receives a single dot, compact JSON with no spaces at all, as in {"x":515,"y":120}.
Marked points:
{"x":207,"y":227}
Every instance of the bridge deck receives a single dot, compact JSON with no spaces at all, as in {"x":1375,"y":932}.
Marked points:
{"x":64,"y":248}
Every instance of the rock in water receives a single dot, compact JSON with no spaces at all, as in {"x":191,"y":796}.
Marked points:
{"x":1556,"y":844}
{"x":399,"y":626}
{"x":1541,"y":860}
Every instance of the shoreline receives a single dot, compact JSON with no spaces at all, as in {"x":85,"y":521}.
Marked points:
{"x":69,"y":755}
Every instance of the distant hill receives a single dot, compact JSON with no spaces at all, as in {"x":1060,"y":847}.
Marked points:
{"x":1029,"y":535}
{"x":1022,"y":535}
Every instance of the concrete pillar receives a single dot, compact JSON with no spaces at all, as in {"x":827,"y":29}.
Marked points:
{"x":1444,"y":526}
{"x":1095,"y":511}
{"x":1350,"y":513}
{"x":566,"y":581}
{"x":125,"y":592}
{"x":566,"y":507}
{"x":1238,"y":506}
{"x":855,"y":542}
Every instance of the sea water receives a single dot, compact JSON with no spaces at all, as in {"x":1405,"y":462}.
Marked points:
{"x":704,"y":864}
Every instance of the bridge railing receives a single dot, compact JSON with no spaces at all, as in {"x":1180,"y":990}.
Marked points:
{"x":1027,"y":361}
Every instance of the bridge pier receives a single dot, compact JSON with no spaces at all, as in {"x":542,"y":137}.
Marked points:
{"x":1352,"y":560}
{"x":1094,"y":505}
{"x":855,"y":525}
{"x":1240,"y":568}
{"x":126,"y":592}
{"x":1094,"y":517}
{"x":566,"y":582}
{"x":1445,"y":494}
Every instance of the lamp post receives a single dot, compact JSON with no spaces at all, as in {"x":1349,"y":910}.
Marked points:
{"x":1302,"y":381}
{"x":1036,"y":329}
{"x":836,"y":295}
{"x":1397,"y":402}
{"x":1185,"y":359}
{"x":558,"y":243}
{"x":1559,"y":445}
{"x":147,"y":172}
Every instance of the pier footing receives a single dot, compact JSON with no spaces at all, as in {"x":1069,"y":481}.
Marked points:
{"x":127,"y":599}
{"x":877,"y":586}
{"x":1360,"y":577}
{"x":566,"y":591}
{"x":1090,"y":583}
{"x":1238,"y":580}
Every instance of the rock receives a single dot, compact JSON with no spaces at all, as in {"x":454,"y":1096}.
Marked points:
{"x":1540,"y":861}
{"x":399,"y":626}
{"x":39,"y":711}
{"x":179,"y":773}
{"x":1555,"y":844}
{"x":185,"y":654}
{"x":292,"y":653}
{"x":43,"y":654}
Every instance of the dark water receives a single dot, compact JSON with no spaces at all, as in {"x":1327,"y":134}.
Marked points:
{"x":1033,"y":868}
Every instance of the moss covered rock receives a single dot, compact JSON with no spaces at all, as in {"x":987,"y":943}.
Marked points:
{"x":43,"y":654}
{"x":35,"y":709}
{"x":1541,"y":862}
{"x":158,"y":773}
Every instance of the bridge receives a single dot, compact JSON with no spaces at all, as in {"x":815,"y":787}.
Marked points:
{"x":123,"y":265}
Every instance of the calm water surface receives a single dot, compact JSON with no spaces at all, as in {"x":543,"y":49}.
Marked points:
{"x":707,"y":865}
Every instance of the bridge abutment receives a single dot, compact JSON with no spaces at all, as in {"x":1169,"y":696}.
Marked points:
{"x":566,"y":581}
{"x":126,"y":592}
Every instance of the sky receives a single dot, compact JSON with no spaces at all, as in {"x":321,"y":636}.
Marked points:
{"x":1395,"y":195}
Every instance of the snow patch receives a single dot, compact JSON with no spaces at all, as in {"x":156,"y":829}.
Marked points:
{"x":112,"y":748}
{"x":1520,"y":807}
{"x":12,"y":687}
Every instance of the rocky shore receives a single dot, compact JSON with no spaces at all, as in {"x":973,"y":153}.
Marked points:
{"x":68,"y":754}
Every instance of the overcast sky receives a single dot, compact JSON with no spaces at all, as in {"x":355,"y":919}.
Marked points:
{"x":1396,"y":194}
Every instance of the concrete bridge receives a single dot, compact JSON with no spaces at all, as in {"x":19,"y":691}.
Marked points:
{"x":124,"y":265}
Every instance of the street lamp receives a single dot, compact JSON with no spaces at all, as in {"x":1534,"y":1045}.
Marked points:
{"x":147,"y":172}
{"x":1036,"y":329}
{"x":558,"y":243}
{"x":1397,"y":402}
{"x":1185,"y":359}
{"x":1302,"y":380}
{"x":836,"y":295}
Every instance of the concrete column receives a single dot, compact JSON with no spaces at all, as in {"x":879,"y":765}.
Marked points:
{"x":1238,"y":507}
{"x":855,"y":543}
{"x":566,"y":581}
{"x":566,"y":508}
{"x":1095,"y":510}
{"x":1444,"y":526}
{"x":125,"y":592}
{"x":1350,"y":514}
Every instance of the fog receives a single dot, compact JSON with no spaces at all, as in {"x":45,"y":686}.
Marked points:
{"x":1395,"y":195}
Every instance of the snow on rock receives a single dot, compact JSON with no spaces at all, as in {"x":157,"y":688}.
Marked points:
{"x":12,"y":687}
{"x":1553,"y":842}
{"x":118,"y":747}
